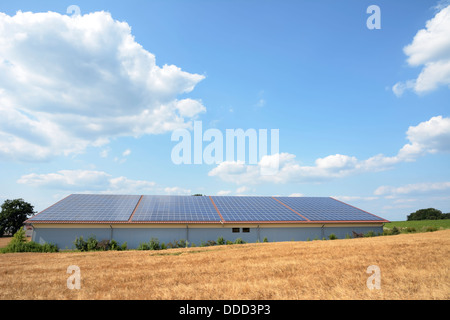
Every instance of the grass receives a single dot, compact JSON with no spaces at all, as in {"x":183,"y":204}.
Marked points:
{"x":413,"y":266}
{"x":419,"y":225}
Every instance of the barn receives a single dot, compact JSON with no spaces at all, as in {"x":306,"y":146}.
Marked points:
{"x":196,"y":219}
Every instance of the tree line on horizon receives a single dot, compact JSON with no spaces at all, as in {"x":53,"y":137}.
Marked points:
{"x":428,"y":214}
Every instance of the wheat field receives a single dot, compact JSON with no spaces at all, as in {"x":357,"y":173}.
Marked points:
{"x":412,"y":266}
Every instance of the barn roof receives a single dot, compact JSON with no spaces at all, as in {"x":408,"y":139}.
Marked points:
{"x":98,"y":208}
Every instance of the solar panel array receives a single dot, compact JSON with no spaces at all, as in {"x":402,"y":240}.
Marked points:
{"x":90,"y":207}
{"x":175,"y":208}
{"x":326,"y":209}
{"x":122,"y":208}
{"x":254,"y":209}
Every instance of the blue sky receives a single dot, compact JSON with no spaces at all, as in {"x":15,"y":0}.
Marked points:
{"x":88,"y":103}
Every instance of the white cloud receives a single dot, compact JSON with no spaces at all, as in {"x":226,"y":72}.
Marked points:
{"x":90,"y":181}
{"x":242,"y":189}
{"x":415,"y":188}
{"x":189,"y":107}
{"x":177,"y":191}
{"x":123,"y":185}
{"x":68,"y":179}
{"x":71,"y":82}
{"x":431,"y":136}
{"x":296,"y":194}
{"x":87,"y":181}
{"x":430,"y":48}
{"x":223,"y":192}
{"x":261,"y":103}
{"x":104,"y":153}
{"x":126,"y":153}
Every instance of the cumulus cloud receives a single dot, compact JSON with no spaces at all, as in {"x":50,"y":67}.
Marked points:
{"x":224,"y":192}
{"x":68,"y":179}
{"x":430,"y":48}
{"x":242,"y":190}
{"x":296,"y":194}
{"x":71,"y":82}
{"x":415,"y":188}
{"x":177,"y":191}
{"x":430,"y":136}
{"x":126,"y":153}
{"x":88,"y":181}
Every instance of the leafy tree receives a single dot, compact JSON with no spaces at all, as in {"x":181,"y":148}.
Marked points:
{"x":426,"y":214}
{"x":13,"y":214}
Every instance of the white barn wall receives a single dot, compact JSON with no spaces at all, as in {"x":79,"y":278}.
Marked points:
{"x":65,"y":235}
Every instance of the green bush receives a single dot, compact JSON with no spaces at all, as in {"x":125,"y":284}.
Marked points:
{"x":182,"y":243}
{"x":332,"y":236}
{"x":410,"y":229}
{"x":29,"y":247}
{"x":239,"y":241}
{"x":347,"y":236}
{"x":91,"y":243}
{"x":19,"y":244}
{"x":265,"y":239}
{"x":19,"y":236}
{"x":370,"y":234}
{"x":220,"y":241}
{"x":153,"y":244}
{"x":177,"y":244}
{"x":430,"y":229}
{"x":80,"y":244}
{"x":143,"y":246}
{"x":113,"y":245}
{"x":229,"y":242}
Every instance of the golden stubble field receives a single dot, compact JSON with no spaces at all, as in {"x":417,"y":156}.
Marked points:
{"x":413,"y":266}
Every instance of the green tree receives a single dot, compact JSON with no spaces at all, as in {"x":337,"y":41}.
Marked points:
{"x":13,"y":214}
{"x":426,"y":214}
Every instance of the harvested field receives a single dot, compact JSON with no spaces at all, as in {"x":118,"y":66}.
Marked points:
{"x":413,"y":266}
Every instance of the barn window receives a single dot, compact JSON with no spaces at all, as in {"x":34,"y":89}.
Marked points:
{"x":245,"y":229}
{"x":235,"y":230}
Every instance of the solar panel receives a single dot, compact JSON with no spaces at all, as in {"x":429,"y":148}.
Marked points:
{"x":90,"y":207}
{"x":176,"y":208}
{"x":326,"y":209}
{"x":253,"y":209}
